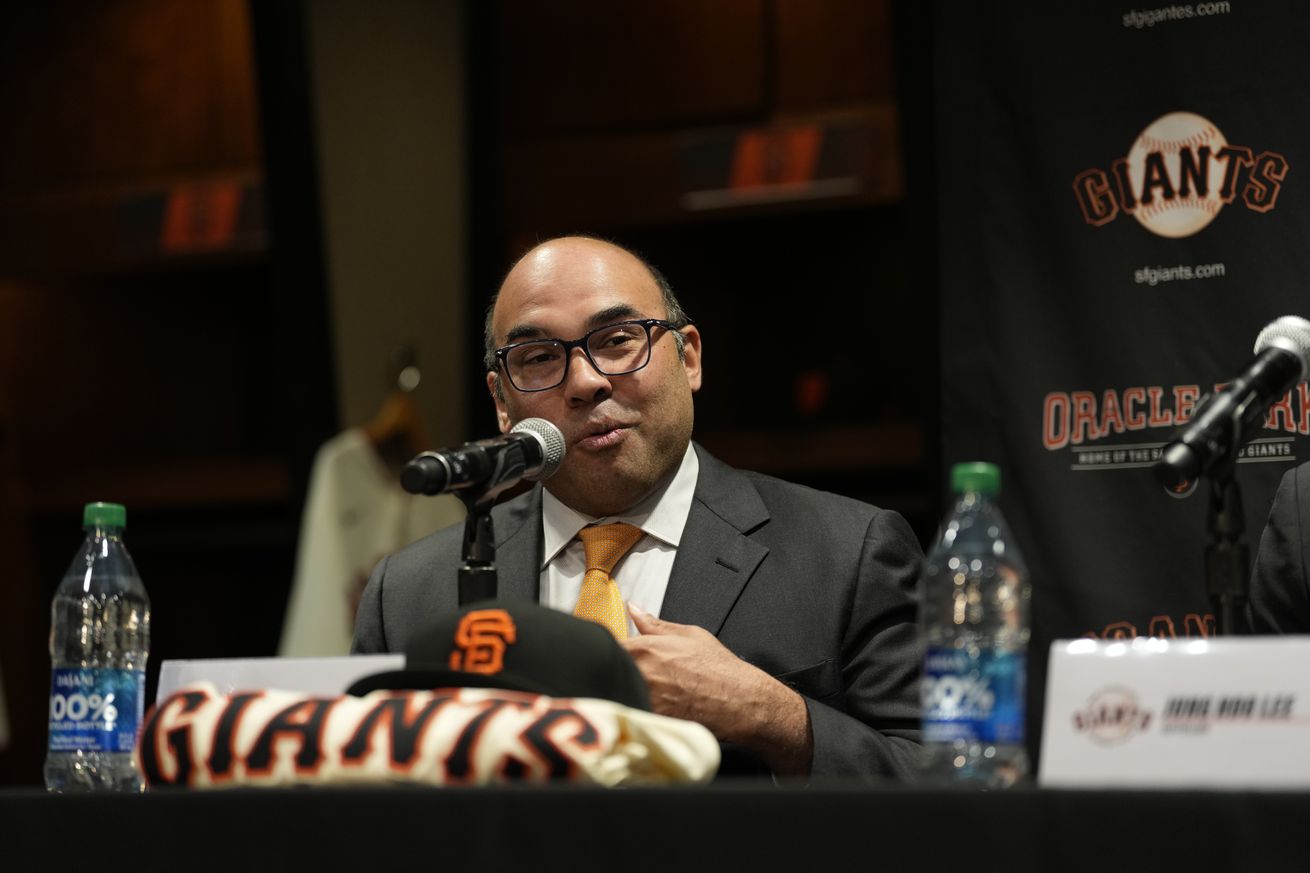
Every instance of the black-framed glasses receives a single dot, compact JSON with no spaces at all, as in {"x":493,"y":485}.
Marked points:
{"x":614,"y":350}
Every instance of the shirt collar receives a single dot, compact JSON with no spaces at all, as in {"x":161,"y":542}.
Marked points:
{"x":663,"y":514}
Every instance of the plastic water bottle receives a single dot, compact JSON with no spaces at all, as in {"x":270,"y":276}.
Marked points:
{"x":974,"y":611}
{"x":99,"y":642}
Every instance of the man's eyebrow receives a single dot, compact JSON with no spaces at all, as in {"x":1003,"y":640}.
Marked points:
{"x":618,"y":312}
{"x":524,"y":331}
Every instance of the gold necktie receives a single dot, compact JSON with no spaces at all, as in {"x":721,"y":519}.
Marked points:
{"x":600,"y":600}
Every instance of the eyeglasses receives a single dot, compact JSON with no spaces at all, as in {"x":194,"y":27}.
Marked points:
{"x":614,"y":350}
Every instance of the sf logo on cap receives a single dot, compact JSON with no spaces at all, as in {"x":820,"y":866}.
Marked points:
{"x":481,"y":640}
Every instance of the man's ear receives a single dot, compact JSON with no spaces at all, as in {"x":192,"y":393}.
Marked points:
{"x":498,"y":397}
{"x":691,"y":351}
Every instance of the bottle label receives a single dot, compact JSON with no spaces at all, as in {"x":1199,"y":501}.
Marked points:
{"x":976,"y":698}
{"x":95,"y":709}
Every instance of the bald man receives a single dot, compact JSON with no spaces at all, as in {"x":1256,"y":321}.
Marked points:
{"x":780,"y":617}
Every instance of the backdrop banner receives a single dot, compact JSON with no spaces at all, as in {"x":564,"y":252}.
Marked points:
{"x":1123,"y":206}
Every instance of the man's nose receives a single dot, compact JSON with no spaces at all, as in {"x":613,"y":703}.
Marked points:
{"x":584,"y":383}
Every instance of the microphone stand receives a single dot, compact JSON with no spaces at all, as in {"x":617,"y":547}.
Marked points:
{"x":1227,"y":556}
{"x":477,"y":574}
{"x":492,"y":475}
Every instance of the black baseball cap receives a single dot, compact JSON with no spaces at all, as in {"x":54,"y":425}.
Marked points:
{"x":518,"y":646}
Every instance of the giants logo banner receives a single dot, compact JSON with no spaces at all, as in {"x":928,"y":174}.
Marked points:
{"x":1177,"y":176}
{"x":1123,"y":206}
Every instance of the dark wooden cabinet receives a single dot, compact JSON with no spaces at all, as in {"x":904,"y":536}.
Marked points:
{"x":116,"y":94}
{"x":142,"y":341}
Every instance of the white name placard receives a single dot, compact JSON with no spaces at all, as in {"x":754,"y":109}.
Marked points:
{"x":1228,"y":712}
{"x":326,"y":676}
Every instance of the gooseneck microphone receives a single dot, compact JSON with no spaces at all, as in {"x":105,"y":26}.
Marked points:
{"x":532,"y":450}
{"x":1226,"y":420}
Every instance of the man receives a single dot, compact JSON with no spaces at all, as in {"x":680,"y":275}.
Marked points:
{"x":779,"y":617}
{"x":1280,"y":590}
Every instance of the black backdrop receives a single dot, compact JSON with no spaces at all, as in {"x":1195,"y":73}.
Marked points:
{"x":1121,"y":211}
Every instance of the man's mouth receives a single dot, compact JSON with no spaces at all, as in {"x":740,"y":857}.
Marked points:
{"x":602,"y":435}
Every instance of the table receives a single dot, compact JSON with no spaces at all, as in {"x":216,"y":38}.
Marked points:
{"x":745,"y":826}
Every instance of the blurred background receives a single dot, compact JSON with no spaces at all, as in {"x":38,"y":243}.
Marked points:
{"x":227,"y":227}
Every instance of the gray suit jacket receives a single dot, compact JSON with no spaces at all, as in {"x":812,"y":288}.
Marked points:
{"x":1280,"y":591}
{"x":813,"y":588}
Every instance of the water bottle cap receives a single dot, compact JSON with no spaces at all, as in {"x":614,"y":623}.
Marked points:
{"x":978,"y":476}
{"x":104,"y":515}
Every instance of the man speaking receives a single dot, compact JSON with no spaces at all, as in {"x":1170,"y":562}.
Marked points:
{"x":779,"y":617}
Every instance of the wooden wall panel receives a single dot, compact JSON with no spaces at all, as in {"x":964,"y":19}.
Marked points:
{"x":25,"y":615}
{"x":133,"y":375}
{"x":112,"y":93}
{"x":587,"y":65}
{"x":603,"y":108}
{"x":623,"y":181}
{"x":570,"y":186}
{"x":833,"y":53}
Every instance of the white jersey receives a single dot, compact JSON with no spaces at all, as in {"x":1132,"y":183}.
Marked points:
{"x":201,"y":738}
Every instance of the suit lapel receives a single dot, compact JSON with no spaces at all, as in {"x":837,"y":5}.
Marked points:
{"x":518,"y":547}
{"x":715,"y":558}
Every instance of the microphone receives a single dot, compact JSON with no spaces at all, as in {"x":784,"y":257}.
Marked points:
{"x":1282,"y":358}
{"x":532,"y":450}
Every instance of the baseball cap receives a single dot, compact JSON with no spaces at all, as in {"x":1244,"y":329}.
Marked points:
{"x":518,"y":646}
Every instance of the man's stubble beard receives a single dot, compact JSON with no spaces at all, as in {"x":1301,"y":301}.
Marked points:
{"x":601,"y":489}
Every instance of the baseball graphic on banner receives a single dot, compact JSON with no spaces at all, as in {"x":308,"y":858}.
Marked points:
{"x":1173,"y":165}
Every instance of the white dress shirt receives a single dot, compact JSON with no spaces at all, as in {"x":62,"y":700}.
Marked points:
{"x":643,"y":574}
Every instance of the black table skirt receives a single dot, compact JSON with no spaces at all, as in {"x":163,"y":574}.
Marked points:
{"x":718,"y":828}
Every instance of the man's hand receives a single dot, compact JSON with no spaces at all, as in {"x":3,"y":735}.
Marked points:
{"x":692,"y":676}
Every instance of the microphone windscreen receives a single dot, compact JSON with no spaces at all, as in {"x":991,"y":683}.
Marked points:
{"x":552,"y":442}
{"x":1290,"y":333}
